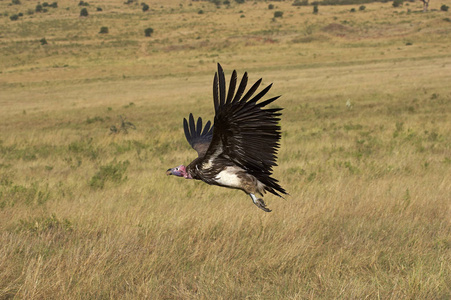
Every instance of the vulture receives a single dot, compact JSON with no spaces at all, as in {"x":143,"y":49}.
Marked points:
{"x":239,"y":150}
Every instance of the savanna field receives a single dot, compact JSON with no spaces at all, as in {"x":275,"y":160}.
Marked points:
{"x":90,"y":122}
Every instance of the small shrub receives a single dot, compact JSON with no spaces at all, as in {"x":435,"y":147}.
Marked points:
{"x":54,"y":5}
{"x":96,"y":118}
{"x":444,"y":7}
{"x":33,"y":194}
{"x":271,"y":6}
{"x":20,"y":14}
{"x":43,"y":41}
{"x":397,"y":3}
{"x":42,"y":225}
{"x":14,"y":17}
{"x":38,"y":8}
{"x":315,"y":9}
{"x":45,"y":4}
{"x":200,"y":12}
{"x":99,"y":9}
{"x":15,"y":2}
{"x":352,"y":10}
{"x":112,"y":172}
{"x":145,"y":7}
{"x":83,"y":12}
{"x":278,"y":14}
{"x":82,"y":3}
{"x":148,"y":31}
{"x":311,"y":177}
{"x":240,"y":1}
{"x":362,"y":8}
{"x":300,"y":3}
{"x":103,"y":29}
{"x":125,"y":125}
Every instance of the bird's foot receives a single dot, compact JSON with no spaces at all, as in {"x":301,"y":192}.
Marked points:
{"x":260,"y":203}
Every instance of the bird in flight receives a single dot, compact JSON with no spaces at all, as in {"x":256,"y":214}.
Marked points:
{"x":240,"y":149}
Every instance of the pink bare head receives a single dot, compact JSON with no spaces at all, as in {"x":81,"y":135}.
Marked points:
{"x":179,"y":171}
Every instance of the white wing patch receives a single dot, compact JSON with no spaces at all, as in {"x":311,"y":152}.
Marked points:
{"x":209,"y":163}
{"x":228,"y":177}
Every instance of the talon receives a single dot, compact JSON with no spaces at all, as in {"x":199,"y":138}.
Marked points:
{"x":259,"y":203}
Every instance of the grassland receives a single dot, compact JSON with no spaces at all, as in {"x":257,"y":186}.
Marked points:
{"x":85,"y":214}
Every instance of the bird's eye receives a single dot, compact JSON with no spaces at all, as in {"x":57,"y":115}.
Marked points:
{"x":176,"y":169}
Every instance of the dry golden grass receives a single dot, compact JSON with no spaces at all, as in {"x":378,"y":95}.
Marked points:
{"x":89,"y":214}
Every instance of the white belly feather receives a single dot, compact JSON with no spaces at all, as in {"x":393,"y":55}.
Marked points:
{"x":228,"y":177}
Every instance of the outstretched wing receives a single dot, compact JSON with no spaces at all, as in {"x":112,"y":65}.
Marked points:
{"x":245,"y":131}
{"x":198,"y":139}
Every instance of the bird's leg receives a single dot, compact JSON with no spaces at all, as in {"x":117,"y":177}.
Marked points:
{"x":259,"y":202}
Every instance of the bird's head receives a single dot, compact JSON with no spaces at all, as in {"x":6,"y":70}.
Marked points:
{"x":179,"y":171}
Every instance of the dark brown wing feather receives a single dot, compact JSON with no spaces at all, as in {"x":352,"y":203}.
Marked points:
{"x":198,"y":139}
{"x":244,"y":131}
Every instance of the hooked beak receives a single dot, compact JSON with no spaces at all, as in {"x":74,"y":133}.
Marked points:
{"x":179,"y":171}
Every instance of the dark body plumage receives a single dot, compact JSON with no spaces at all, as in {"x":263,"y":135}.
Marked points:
{"x":240,"y":149}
